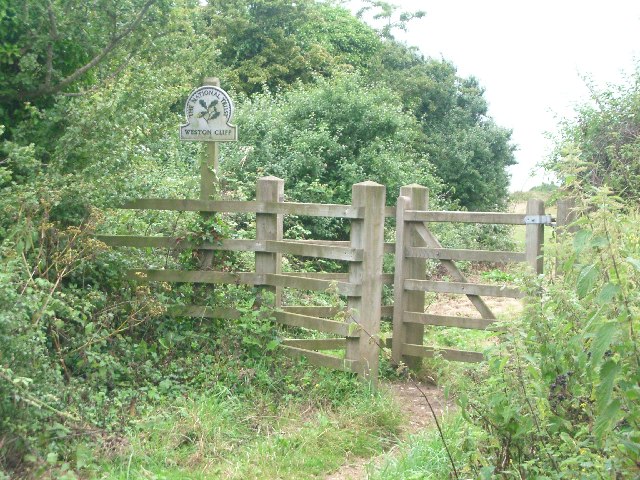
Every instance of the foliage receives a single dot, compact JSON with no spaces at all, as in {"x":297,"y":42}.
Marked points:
{"x":323,"y":139}
{"x":389,"y":16}
{"x":605,"y":136}
{"x":54,"y":46}
{"x":560,"y":396}
{"x":469,"y":151}
{"x":276,"y":43}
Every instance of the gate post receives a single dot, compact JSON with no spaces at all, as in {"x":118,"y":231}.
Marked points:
{"x":412,"y":197}
{"x":367,"y":234}
{"x":535,"y":236}
{"x":566,"y":215}
{"x":269,"y":227}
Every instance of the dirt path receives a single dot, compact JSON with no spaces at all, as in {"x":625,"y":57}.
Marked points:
{"x":418,"y":415}
{"x":408,"y":397}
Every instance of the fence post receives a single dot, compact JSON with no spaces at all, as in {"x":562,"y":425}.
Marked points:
{"x":412,"y":197}
{"x":565,"y":218}
{"x":566,"y":215}
{"x":269,"y":227}
{"x":535,"y":236}
{"x":367,"y":234}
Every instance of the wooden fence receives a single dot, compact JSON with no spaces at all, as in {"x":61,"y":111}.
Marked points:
{"x":415,"y":243}
{"x":362,"y":286}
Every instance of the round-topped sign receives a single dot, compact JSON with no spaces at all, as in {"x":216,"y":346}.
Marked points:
{"x":208,"y":112}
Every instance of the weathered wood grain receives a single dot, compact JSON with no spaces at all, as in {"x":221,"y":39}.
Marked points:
{"x":446,"y":353}
{"x":316,"y":323}
{"x":465,"y":217}
{"x":321,"y":359}
{"x":230,"y":206}
{"x":317,"y":343}
{"x":461,"y":254}
{"x":447,"y":321}
{"x":462,"y":288}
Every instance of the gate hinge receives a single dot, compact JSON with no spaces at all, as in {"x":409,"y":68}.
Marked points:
{"x":538,"y":219}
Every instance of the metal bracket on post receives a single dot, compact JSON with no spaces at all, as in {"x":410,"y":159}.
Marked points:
{"x":538,"y":220}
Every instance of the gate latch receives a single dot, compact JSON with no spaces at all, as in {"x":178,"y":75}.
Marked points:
{"x":538,"y":219}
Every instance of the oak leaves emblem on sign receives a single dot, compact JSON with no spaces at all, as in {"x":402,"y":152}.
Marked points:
{"x":210,"y":111}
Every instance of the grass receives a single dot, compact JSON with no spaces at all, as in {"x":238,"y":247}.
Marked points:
{"x":423,"y":456}
{"x":220,"y":435}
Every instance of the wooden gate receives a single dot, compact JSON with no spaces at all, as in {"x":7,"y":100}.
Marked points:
{"x":415,"y":243}
{"x":361,"y":286}
{"x":357,"y":332}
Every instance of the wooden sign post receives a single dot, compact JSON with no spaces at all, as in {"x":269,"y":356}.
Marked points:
{"x":208,"y":112}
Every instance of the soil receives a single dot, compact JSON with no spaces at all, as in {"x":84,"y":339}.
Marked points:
{"x":418,"y":414}
{"x":406,"y":394}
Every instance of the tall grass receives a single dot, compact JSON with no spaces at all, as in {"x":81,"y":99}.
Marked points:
{"x":225,"y":436}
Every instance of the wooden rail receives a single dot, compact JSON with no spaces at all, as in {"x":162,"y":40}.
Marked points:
{"x":227,"y":206}
{"x":447,"y":321}
{"x":468,"y":255}
{"x":465,"y":217}
{"x":446,"y":353}
{"x":462,"y":288}
{"x":323,"y":360}
{"x":316,"y":343}
{"x":316,"y":323}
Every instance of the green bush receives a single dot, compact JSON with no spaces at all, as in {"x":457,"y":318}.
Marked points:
{"x":323,"y":139}
{"x":560,"y":394}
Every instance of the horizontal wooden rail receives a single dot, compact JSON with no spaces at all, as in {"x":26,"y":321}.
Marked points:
{"x":316,"y":323}
{"x":343,"y":288}
{"x":446,"y":353}
{"x":226,"y":313}
{"x":284,"y":208}
{"x":447,"y":321}
{"x":389,"y":247}
{"x":468,"y":255}
{"x":196,"y":276}
{"x":317,"y":343}
{"x":242,"y":278}
{"x":313,"y":310}
{"x":322,"y":360}
{"x":387,"y":278}
{"x":464,"y":217}
{"x":343,"y":277}
{"x":462,"y":288}
{"x":390,"y":212}
{"x":314,"y":250}
{"x":139,"y":241}
{"x":386,"y":311}
{"x":291,"y":247}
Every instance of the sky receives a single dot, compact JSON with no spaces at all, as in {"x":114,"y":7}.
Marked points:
{"x":532,"y":58}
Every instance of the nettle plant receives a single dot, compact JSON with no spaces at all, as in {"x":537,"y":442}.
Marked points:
{"x":562,"y":390}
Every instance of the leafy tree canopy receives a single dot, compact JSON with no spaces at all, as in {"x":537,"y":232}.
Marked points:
{"x":605,"y":138}
{"x":324,"y":138}
{"x":53,"y":46}
{"x":275,"y":43}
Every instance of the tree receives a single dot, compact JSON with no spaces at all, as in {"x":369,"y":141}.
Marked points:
{"x":469,"y":151}
{"x":324,"y":138}
{"x":605,"y":138}
{"x":56,"y":46}
{"x":275,"y":43}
